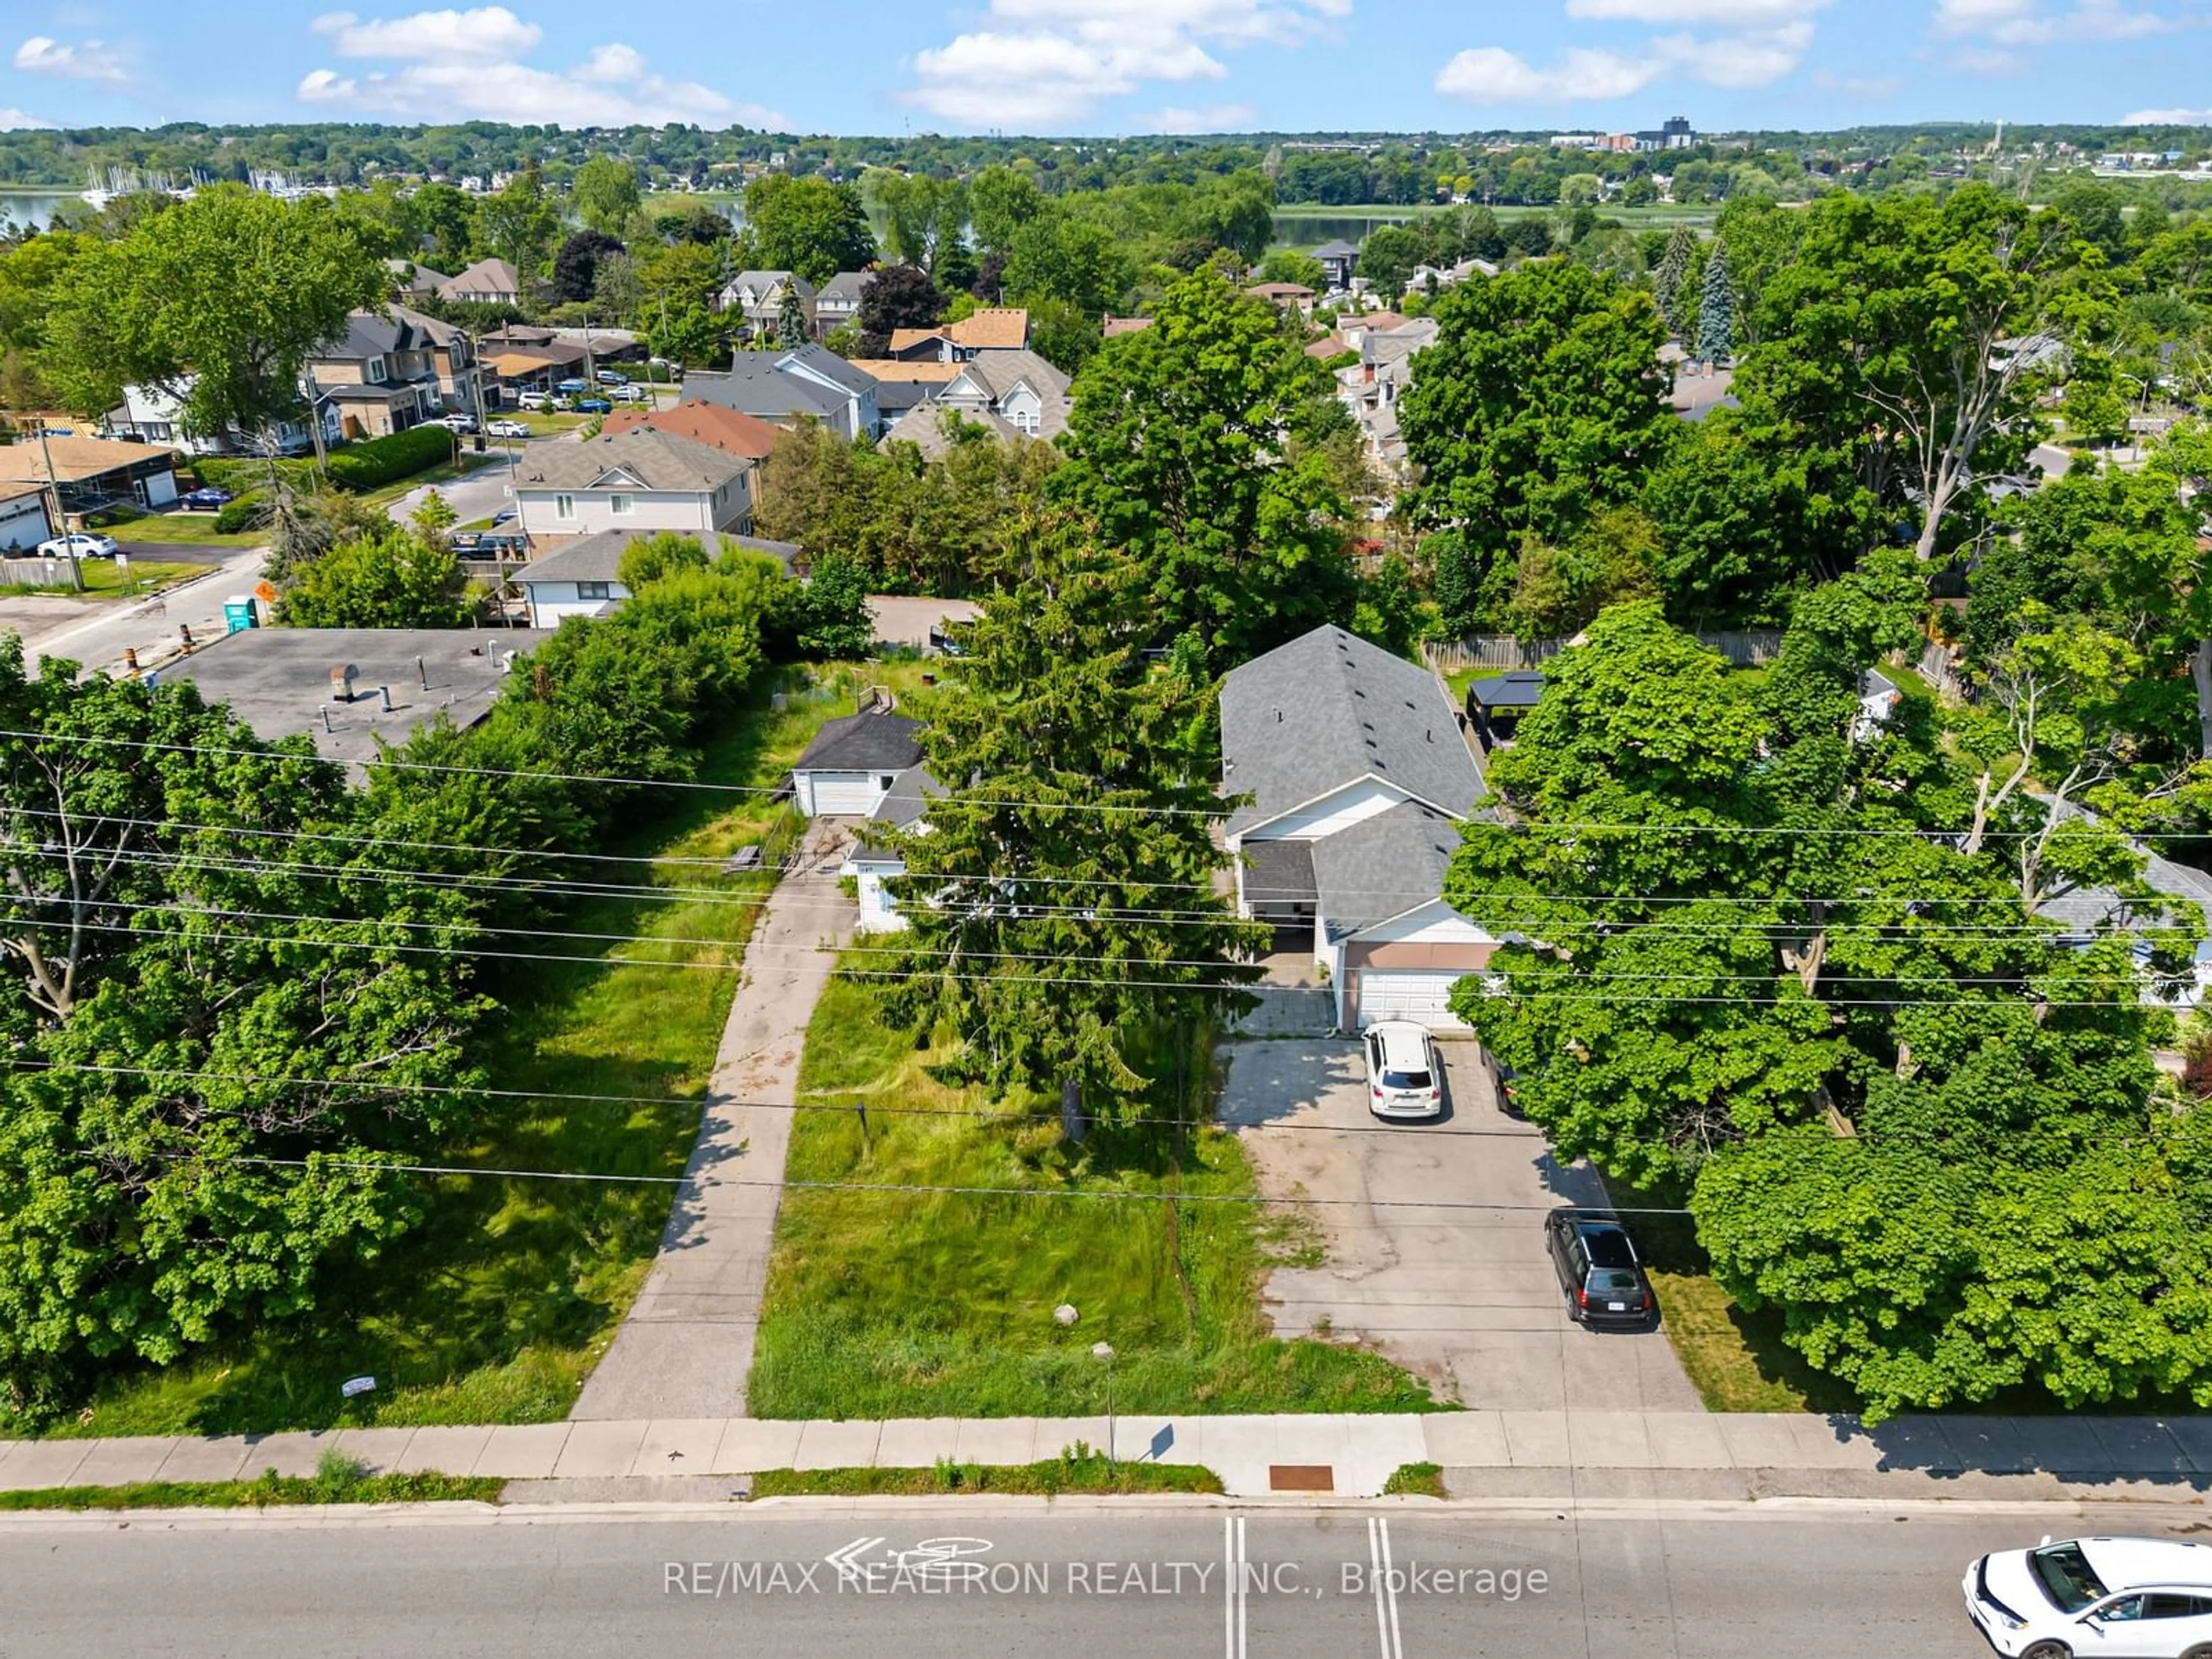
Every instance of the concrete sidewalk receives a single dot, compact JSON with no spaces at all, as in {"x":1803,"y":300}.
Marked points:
{"x":1533,"y":1453}
{"x":687,"y":1343}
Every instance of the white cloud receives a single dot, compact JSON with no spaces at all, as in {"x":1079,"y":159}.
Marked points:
{"x":15,"y":120}
{"x":1740,"y":60}
{"x":1492,"y":75}
{"x":88,"y":60}
{"x":459,"y":66}
{"x":1214,"y":117}
{"x":484,"y":33}
{"x":1720,"y":14}
{"x":1987,"y":60}
{"x":1060,"y":58}
{"x":2028,"y":23}
{"x":2168,"y":117}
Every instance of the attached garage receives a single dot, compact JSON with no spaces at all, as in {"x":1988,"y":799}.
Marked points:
{"x":1379,"y":994}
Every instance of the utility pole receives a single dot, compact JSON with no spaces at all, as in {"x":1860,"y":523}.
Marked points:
{"x":54,"y":505}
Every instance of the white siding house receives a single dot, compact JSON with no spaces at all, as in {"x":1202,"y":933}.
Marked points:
{"x":633,"y":483}
{"x":874,"y":861}
{"x":1360,"y":776}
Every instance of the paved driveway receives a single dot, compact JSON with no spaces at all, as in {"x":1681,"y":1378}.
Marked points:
{"x":1466,"y":1298}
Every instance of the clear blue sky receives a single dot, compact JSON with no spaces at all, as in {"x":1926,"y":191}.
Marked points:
{"x":1105,"y":66}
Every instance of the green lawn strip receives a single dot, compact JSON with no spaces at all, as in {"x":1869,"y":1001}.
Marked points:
{"x":184,"y":529}
{"x":940,"y":1304}
{"x":496,"y":1307}
{"x":471,"y":462}
{"x":1416,"y":1481}
{"x":1054,"y":1478}
{"x":103,"y":580}
{"x":270,"y":1490}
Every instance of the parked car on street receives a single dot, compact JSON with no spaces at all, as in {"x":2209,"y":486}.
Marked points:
{"x":508,"y":430}
{"x":79,"y":545}
{"x":208,"y":498}
{"x":505,"y":515}
{"x":453,"y":422}
{"x":594,"y":406}
{"x":1597,"y":1268}
{"x":572,"y":386}
{"x":612,"y":377}
{"x":534,"y":399}
{"x":2133,"y":1598}
{"x":1404,"y":1077}
{"x":633,"y":393}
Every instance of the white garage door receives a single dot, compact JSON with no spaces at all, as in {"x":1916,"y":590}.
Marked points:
{"x":846,"y":795}
{"x":1403,"y":993}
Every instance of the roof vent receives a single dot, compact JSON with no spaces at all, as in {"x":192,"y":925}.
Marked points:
{"x":1278,"y":717}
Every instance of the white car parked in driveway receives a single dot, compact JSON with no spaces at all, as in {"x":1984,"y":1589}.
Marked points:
{"x":80,"y":544}
{"x":1404,"y":1077}
{"x":2130,"y":1598}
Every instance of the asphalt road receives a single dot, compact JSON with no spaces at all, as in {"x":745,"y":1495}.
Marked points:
{"x":97,"y":639}
{"x":949,"y":1580}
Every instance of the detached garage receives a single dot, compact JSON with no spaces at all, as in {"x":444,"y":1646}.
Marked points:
{"x":854,"y":762}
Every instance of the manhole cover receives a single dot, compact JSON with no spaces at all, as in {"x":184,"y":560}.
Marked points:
{"x":1301,"y":1477}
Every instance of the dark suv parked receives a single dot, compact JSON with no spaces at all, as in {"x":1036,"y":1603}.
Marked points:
{"x":1597,"y":1268}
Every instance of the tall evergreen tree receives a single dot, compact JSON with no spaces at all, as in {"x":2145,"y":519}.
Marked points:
{"x":790,"y":322}
{"x":1716,"y":311}
{"x":1674,"y":268}
{"x":1063,"y":916}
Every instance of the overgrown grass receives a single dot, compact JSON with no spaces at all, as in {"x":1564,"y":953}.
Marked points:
{"x":928,"y":1304}
{"x":496,"y":1308}
{"x":1416,"y":1481}
{"x":1736,"y":1360}
{"x":1078,"y":1470}
{"x":102,"y":580}
{"x":271,"y":1491}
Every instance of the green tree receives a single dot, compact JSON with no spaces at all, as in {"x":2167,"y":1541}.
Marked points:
{"x":606,"y":196}
{"x":1194,"y":444}
{"x":144,"y":1211}
{"x":519,"y":224}
{"x":826,"y":616}
{"x":1717,"y":310}
{"x":218,"y":302}
{"x":1541,"y":401}
{"x":791,"y":331}
{"x":1057,"y":257}
{"x":1074,"y":763}
{"x":810,"y":225}
{"x":1387,"y":257}
{"x":398,"y":580}
{"x":1284,"y":265}
{"x":1000,"y":201}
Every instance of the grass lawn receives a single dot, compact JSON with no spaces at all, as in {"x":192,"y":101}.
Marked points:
{"x":183,"y":529}
{"x":883,"y":1305}
{"x":495,"y":1310}
{"x":1085,"y":1471}
{"x":1737,"y":1360}
{"x":446,"y":472}
{"x":103,"y":580}
{"x":268,"y":1491}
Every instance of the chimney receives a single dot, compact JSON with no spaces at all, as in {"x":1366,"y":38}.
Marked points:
{"x":341,"y":679}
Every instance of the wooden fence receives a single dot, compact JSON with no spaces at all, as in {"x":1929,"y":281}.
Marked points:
{"x":34,"y":572}
{"x":1743,"y":648}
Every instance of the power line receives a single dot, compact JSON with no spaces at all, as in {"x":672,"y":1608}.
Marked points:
{"x":612,"y":960}
{"x":858,"y":1097}
{"x":1525,"y":828}
{"x":914,"y":1187}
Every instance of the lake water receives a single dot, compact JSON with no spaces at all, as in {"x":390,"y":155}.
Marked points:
{"x":30,"y":209}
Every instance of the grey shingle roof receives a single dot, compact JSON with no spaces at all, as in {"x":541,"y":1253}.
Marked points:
{"x":873,"y":741}
{"x":1518,"y":689}
{"x":827,"y":364}
{"x":1327,"y":709}
{"x":658,"y":461}
{"x":847,"y":285}
{"x":922,"y":427}
{"x":1382,"y":866}
{"x":756,"y":387}
{"x":587,"y":559}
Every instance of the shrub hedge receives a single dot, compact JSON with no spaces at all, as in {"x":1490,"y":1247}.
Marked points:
{"x":366,"y":465}
{"x":249,"y":511}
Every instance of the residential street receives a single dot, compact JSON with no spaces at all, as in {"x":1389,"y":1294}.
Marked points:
{"x":959,"y":1577}
{"x":1467,"y":1296}
{"x":96,"y":638}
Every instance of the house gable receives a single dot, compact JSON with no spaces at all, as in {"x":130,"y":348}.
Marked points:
{"x":1331,"y":812}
